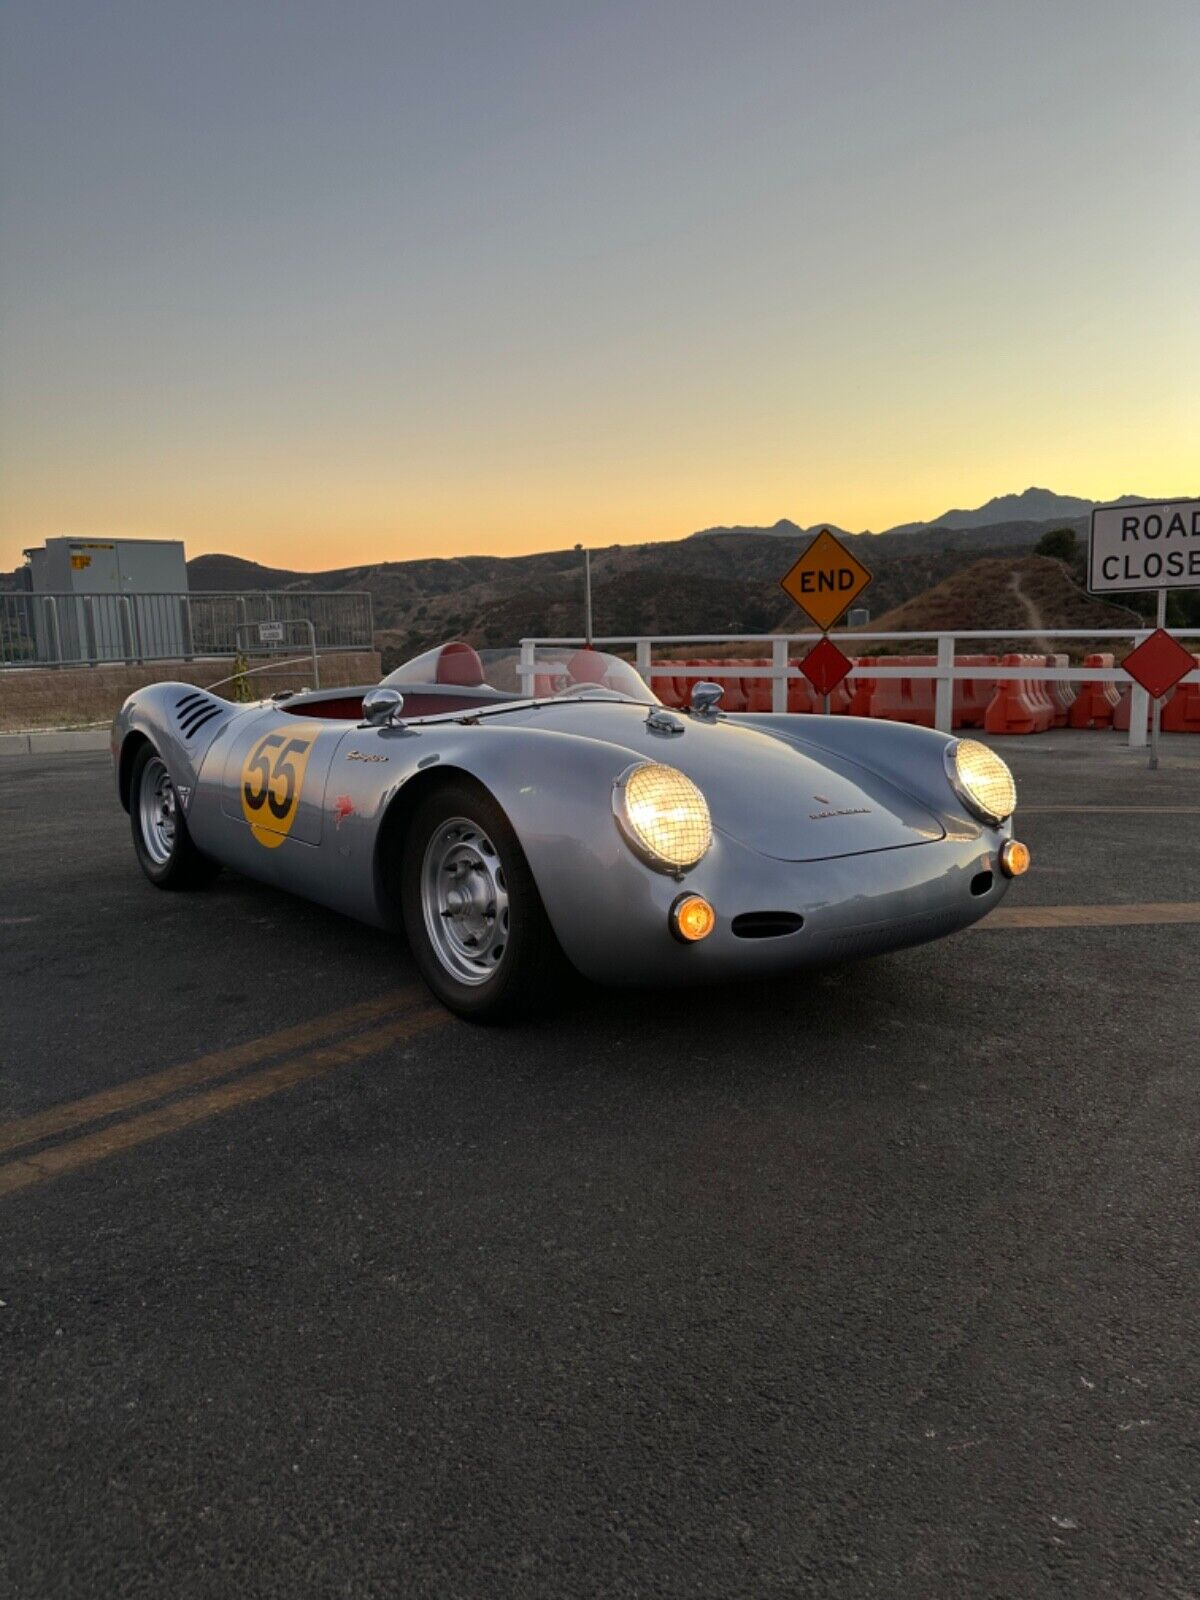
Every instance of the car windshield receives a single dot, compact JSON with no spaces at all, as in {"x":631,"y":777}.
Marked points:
{"x":556,"y":673}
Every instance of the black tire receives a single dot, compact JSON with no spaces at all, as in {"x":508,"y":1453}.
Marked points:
{"x":529,"y":972}
{"x":173,"y":864}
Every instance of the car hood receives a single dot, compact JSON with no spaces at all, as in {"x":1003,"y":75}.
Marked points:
{"x":779,"y":800}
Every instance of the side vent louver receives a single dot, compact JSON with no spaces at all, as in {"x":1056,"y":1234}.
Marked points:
{"x":192,"y":711}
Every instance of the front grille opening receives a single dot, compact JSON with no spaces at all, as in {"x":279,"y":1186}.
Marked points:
{"x":766,"y":924}
{"x":981,"y":882}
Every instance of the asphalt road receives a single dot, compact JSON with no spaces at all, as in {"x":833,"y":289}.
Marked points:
{"x":877,"y":1282}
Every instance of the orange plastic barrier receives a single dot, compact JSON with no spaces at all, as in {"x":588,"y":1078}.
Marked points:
{"x":1181,"y":714}
{"x":861,"y":690}
{"x":668,"y":690}
{"x":1062,"y":693}
{"x":1019,"y":705}
{"x":972,"y":696}
{"x":800,"y":696}
{"x":1095,"y":703}
{"x":1123,"y":710}
{"x":758,"y":692}
{"x":904,"y":699}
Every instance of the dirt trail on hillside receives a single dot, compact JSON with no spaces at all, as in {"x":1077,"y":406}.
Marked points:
{"x":1033,"y":615}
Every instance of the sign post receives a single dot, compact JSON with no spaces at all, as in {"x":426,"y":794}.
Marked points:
{"x":1134,"y":550}
{"x":823,"y":582}
{"x":1157,"y":665}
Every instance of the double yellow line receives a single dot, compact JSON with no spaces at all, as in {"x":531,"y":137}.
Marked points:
{"x":352,"y":1040}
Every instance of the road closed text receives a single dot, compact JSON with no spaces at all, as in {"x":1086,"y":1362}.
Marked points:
{"x":1145,"y":547}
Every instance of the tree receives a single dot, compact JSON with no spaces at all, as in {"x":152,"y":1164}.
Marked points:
{"x":1059,"y":543}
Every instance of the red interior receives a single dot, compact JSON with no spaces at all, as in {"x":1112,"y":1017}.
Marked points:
{"x":349,"y":708}
{"x":460,"y":663}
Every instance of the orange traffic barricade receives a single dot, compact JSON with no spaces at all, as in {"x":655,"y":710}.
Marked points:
{"x":1019,"y":705}
{"x":1062,"y":693}
{"x":1181,"y":714}
{"x":1095,"y":703}
{"x":972,"y":696}
{"x":904,"y":699}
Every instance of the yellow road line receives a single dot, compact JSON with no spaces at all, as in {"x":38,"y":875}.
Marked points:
{"x":1092,"y":916}
{"x":1117,"y":811}
{"x":26,"y":1171}
{"x":216,"y":1064}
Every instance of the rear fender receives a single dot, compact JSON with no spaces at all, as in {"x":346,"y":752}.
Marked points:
{"x":181,"y":721}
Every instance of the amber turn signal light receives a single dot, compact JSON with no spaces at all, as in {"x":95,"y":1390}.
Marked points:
{"x":1014,"y":858}
{"x":692,"y":918}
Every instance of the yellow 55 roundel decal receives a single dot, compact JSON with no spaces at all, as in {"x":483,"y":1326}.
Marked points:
{"x":272,"y":778}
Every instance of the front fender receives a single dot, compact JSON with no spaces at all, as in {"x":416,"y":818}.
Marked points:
{"x":556,"y":790}
{"x":912,"y":758}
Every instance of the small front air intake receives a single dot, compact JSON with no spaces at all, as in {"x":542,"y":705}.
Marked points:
{"x":766,"y":924}
{"x":192,"y":711}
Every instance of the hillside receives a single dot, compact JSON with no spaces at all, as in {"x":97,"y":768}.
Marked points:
{"x":716,"y":582}
{"x":1006,"y":592}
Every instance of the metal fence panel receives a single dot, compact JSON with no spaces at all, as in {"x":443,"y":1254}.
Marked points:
{"x":88,"y":629}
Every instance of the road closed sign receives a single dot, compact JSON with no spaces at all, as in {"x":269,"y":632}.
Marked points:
{"x":1145,"y":547}
{"x":825,"y":579}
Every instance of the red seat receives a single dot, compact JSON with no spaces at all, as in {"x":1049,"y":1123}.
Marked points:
{"x":586,"y":666}
{"x":459,"y":663}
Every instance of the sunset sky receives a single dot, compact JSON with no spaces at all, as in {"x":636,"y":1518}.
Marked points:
{"x":327,"y":283}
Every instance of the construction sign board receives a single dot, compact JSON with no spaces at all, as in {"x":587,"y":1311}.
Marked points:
{"x":1158,"y":663}
{"x":1155,"y":546}
{"x":825,"y":666}
{"x":825,"y":580}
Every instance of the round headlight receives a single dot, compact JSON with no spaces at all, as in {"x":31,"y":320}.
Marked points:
{"x":981,"y":780}
{"x":663,"y":815}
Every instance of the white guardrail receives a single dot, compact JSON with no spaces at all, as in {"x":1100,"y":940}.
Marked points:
{"x":945,"y":672}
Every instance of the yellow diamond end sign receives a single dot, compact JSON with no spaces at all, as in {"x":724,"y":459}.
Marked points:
{"x":825,"y":580}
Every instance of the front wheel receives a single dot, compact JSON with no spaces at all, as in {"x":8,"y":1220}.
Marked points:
{"x":474,"y":919}
{"x":161,"y":839}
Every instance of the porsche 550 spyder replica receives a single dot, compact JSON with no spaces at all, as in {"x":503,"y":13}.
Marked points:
{"x":511,"y":818}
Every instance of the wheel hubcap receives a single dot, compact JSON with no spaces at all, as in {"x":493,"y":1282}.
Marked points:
{"x":464,"y":900}
{"x":157,"y":812}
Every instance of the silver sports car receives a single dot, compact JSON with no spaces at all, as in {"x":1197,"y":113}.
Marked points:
{"x":514,"y":818}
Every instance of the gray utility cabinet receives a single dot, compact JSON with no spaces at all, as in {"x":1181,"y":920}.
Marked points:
{"x":89,"y":575}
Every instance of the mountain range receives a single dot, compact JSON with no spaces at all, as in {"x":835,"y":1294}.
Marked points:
{"x":718,"y":580}
{"x":721,"y":580}
{"x":1031,"y":505}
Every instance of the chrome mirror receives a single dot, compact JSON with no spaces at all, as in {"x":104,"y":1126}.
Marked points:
{"x":382,"y":708}
{"x":705,"y":699}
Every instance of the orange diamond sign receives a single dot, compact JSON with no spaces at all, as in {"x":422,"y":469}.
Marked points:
{"x":825,"y":580}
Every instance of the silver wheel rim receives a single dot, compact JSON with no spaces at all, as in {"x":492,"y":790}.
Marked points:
{"x":464,"y":900}
{"x":157,"y":812}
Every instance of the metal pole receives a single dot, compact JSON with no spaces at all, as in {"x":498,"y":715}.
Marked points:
{"x":643,"y":662}
{"x":527,"y":669}
{"x":1156,"y":703}
{"x":312,"y":642}
{"x":51,"y":608}
{"x":943,"y":695}
{"x":587,"y":595}
{"x":189,"y":640}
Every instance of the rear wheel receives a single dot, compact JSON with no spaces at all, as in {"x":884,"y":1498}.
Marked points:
{"x":161,"y":839}
{"x":472,"y":912}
